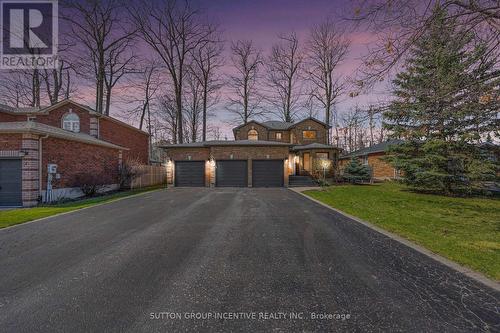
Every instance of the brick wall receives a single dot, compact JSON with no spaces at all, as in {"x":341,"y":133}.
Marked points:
{"x":182,"y":154}
{"x":381,"y":169}
{"x":137,"y":142}
{"x":30,"y":170}
{"x":309,"y":125}
{"x":226,"y":153}
{"x":285,"y":136}
{"x":54,"y":117}
{"x":75,"y":158}
{"x":242,"y":133}
{"x":244,"y":153}
{"x":11,"y":141}
{"x":106,"y":129}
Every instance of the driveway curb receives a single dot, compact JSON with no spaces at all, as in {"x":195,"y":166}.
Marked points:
{"x":80,"y":209}
{"x":451,"y":264}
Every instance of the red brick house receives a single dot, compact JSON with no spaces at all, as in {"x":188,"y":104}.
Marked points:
{"x":263,"y":154}
{"x":373,"y":157}
{"x":71,"y":140}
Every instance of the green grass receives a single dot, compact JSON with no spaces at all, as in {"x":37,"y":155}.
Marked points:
{"x":17,"y":216}
{"x":465,"y":230}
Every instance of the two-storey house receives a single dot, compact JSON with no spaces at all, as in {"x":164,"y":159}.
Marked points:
{"x":262,"y":154}
{"x":48,"y":153}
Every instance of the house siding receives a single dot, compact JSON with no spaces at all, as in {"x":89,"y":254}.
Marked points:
{"x":136,"y":141}
{"x":309,"y":125}
{"x":227,"y":153}
{"x":242,"y":132}
{"x":75,"y":158}
{"x":381,"y":170}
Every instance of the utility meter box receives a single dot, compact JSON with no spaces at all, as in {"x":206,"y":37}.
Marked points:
{"x":52,"y":168}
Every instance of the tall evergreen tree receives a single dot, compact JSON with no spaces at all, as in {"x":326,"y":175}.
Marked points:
{"x":447,"y":101}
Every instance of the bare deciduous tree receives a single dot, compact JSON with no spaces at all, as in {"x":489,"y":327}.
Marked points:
{"x":99,"y":27}
{"x":327,"y":48}
{"x":408,"y":21}
{"x":168,"y":114}
{"x":284,"y":66}
{"x":173,"y":30}
{"x":206,"y":61}
{"x":193,"y":105}
{"x":246,"y":99}
{"x":58,"y":82}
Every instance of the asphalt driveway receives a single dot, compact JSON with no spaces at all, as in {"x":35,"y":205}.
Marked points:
{"x":263,"y":259}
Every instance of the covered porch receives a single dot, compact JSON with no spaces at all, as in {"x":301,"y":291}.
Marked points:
{"x":316,"y":160}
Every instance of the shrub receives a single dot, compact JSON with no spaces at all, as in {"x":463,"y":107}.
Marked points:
{"x":89,"y":183}
{"x":355,"y":172}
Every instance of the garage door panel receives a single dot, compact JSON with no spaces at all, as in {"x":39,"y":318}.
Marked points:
{"x":190,"y":173}
{"x":11,"y":182}
{"x":232,"y":173}
{"x":267,"y":173}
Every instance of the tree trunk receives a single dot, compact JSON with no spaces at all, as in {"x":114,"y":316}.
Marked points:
{"x":204,"y":129}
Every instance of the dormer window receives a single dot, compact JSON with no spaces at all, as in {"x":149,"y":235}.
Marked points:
{"x":253,"y":135}
{"x":71,"y":122}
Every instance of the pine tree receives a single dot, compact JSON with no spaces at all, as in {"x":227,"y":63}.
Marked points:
{"x":447,"y":101}
{"x":355,"y":172}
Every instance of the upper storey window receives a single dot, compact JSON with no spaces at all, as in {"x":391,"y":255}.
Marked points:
{"x":309,"y":135}
{"x":253,"y":135}
{"x":278,"y":136}
{"x":71,"y":122}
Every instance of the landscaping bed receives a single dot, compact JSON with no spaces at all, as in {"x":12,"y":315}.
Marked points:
{"x":465,"y":230}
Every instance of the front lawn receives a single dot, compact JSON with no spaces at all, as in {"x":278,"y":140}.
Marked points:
{"x":17,"y":216}
{"x":466,"y":230}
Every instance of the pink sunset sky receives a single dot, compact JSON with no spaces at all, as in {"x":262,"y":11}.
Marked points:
{"x":261,"y":22}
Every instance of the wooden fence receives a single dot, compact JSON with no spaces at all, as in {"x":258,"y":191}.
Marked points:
{"x":149,"y":175}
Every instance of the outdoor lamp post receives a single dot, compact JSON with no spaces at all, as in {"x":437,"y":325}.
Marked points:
{"x":325,"y":164}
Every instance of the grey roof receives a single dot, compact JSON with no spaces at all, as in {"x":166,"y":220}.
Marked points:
{"x":378,"y":148}
{"x":225,"y":143}
{"x":46,"y":109}
{"x":277,"y":125}
{"x":314,"y":146}
{"x":38,"y":128}
{"x":10,"y":109}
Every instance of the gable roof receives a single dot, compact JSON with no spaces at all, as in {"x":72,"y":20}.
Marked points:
{"x":277,"y":125}
{"x":39,"y":128}
{"x":378,"y":148}
{"x":280,"y":125}
{"x":46,"y":109}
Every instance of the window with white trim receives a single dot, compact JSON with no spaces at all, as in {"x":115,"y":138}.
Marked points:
{"x":71,"y":122}
{"x":253,"y":135}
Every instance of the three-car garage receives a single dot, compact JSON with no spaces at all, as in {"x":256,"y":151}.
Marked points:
{"x":240,"y":163}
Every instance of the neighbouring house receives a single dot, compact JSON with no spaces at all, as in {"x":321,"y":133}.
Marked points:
{"x":49,"y":153}
{"x":263,"y":154}
{"x":373,"y":157}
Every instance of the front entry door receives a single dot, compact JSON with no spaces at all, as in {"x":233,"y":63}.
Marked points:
{"x":307,"y":162}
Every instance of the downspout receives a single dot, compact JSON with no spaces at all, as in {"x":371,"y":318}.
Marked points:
{"x":40,"y":183}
